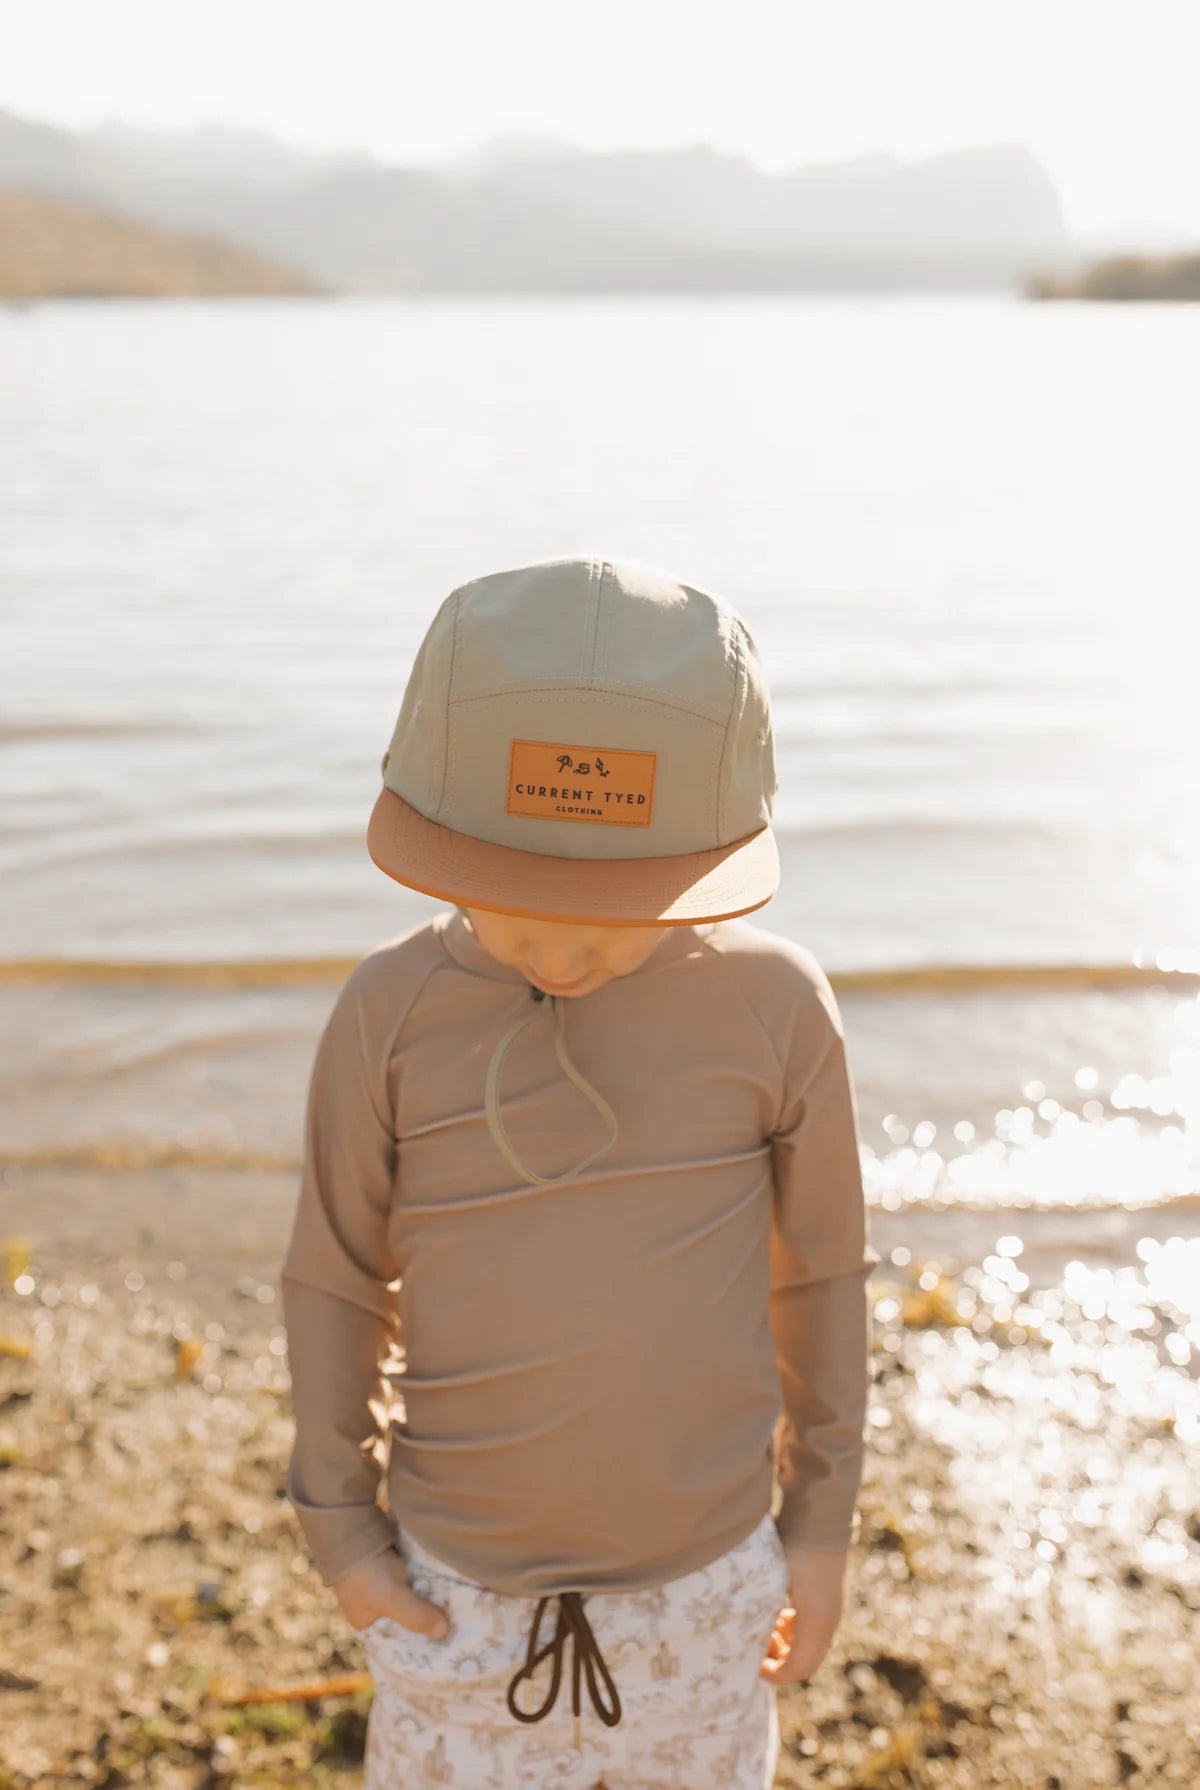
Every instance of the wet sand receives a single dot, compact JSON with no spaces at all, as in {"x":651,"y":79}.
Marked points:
{"x":1022,"y":1607}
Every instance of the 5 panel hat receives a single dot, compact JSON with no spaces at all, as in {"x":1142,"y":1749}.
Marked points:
{"x":587,"y":740}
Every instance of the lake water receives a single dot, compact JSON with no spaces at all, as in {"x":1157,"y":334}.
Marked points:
{"x":963,"y":531}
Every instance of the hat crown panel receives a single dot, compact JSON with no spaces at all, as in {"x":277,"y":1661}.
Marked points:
{"x":596,"y":623}
{"x":415,"y":762}
{"x":669,"y":639}
{"x":526,"y":626}
{"x":748,"y":782}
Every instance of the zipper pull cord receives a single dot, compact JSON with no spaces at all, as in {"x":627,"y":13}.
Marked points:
{"x":492,"y":1098}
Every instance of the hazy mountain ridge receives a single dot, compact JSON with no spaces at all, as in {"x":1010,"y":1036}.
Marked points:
{"x":525,"y":213}
{"x":974,"y":201}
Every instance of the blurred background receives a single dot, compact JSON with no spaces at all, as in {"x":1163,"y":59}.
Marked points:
{"x":903,"y":366}
{"x":881,"y":322}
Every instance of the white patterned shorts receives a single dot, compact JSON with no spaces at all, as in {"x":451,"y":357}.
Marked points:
{"x":696,"y":1714}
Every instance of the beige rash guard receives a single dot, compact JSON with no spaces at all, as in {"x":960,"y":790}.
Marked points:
{"x":586,"y":1381}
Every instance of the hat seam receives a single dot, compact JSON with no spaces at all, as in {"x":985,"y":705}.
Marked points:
{"x":439,"y":810}
{"x":623,"y":697}
{"x":603,"y":567}
{"x":739,"y":685}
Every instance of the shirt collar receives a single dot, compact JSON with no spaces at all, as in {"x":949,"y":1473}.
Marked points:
{"x":463,"y":946}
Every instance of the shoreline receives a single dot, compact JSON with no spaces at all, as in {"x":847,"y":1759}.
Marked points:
{"x":220,"y":1223}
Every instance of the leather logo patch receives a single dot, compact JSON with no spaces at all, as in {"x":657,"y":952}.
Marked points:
{"x":601,"y":785}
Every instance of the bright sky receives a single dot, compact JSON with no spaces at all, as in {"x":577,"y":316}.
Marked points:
{"x":1103,"y":91}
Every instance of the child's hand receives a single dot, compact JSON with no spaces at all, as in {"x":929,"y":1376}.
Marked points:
{"x":805,"y":1629}
{"x":380,"y":1587}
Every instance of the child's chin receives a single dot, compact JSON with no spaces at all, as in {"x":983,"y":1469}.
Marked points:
{"x":566,"y":994}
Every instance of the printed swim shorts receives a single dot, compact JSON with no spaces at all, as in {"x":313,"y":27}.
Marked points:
{"x":695,"y":1712}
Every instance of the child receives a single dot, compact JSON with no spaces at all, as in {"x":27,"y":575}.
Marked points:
{"x":584,"y":1148}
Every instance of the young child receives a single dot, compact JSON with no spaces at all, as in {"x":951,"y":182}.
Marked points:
{"x":582,"y":1150}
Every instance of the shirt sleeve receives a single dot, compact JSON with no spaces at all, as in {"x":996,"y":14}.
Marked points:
{"x":340,"y":1315}
{"x":821,"y":1259}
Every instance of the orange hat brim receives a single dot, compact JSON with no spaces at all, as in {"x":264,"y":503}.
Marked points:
{"x":680,"y":890}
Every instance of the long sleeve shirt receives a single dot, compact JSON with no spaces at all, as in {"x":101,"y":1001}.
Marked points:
{"x":589,"y":1384}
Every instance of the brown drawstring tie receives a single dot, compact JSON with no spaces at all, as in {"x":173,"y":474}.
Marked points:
{"x":572,"y":1625}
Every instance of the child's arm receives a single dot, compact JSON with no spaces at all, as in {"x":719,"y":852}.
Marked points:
{"x":335,"y":1350}
{"x":821,"y":1258}
{"x":339,"y":1314}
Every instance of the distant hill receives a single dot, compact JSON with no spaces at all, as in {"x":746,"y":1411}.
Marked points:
{"x":534,"y":214}
{"x":54,"y":247}
{"x":1165,"y":278}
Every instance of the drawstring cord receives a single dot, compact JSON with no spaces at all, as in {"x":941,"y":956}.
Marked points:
{"x":492,"y":1097}
{"x":572,"y":1624}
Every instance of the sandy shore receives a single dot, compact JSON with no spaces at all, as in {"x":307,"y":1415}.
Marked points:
{"x":1022,"y":1608}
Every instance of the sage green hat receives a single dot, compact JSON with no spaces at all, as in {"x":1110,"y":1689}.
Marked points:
{"x":587,"y":740}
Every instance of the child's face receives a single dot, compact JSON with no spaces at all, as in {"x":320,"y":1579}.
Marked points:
{"x":560,"y":957}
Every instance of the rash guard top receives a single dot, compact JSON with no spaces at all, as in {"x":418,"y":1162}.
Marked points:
{"x":579,"y":1349}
